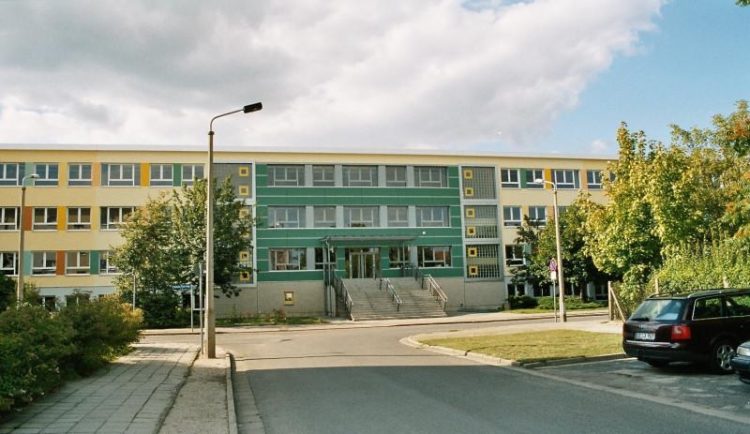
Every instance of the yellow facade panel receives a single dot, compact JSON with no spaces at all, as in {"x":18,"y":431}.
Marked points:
{"x":145,"y":174}
{"x":62,"y":218}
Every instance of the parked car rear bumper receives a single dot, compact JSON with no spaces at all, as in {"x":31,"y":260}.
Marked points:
{"x":668,"y":351}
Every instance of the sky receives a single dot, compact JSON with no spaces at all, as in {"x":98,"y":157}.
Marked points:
{"x":495,"y":76}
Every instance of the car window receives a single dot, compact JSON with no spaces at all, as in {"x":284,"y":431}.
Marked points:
{"x":706,"y":308}
{"x":739,"y":305}
{"x":659,"y":309}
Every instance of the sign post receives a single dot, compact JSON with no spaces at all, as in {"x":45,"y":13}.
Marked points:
{"x":553,"y":276}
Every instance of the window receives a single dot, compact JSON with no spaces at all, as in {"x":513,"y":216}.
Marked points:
{"x":106,"y":265}
{"x":707,"y":308}
{"x":79,"y":174}
{"x":594,"y":179}
{"x":8,"y":219}
{"x":434,"y":256}
{"x":739,"y":305}
{"x":399,"y":256}
{"x":361,"y":216}
{"x":287,"y":259}
{"x":191,"y":172}
{"x":286,"y":176}
{"x":161,"y":175}
{"x":8,"y":263}
{"x":510,"y":178}
{"x":43,"y":263}
{"x":113,"y":217}
{"x":320,"y":259}
{"x":512,"y":215}
{"x":48,"y":173}
{"x":564,"y":178}
{"x":430,"y":177}
{"x":432,"y":216}
{"x":79,"y":219}
{"x":538,"y":214}
{"x":77,"y":263}
{"x":532,"y":175}
{"x":395,"y":176}
{"x":516,"y":289}
{"x":324,"y":176}
{"x":324,"y":216}
{"x":120,"y":174}
{"x":9,"y":174}
{"x":286,"y":217}
{"x":398,"y":216}
{"x":360,"y":176}
{"x":45,"y":219}
{"x":514,"y":254}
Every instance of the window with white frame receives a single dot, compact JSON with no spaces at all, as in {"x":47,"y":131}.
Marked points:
{"x":594,"y":179}
{"x":432,"y":256}
{"x":399,"y":257}
{"x":538,"y":214}
{"x":321,"y":261}
{"x":512,"y":216}
{"x":191,"y":172}
{"x":324,"y":176}
{"x":510,"y":178}
{"x":288,"y":259}
{"x":161,"y":175}
{"x":77,"y":263}
{"x":514,"y":254}
{"x":47,"y":172}
{"x":532,"y":175}
{"x":286,"y":217}
{"x":398,"y":216}
{"x":324,"y":216}
{"x":8,"y":218}
{"x":113,"y":217}
{"x":426,"y":176}
{"x":361,"y":216}
{"x":9,"y":173}
{"x":433,"y":216}
{"x":106,"y":264}
{"x":9,"y":263}
{"x":79,"y":174}
{"x":121,"y":174}
{"x":286,"y":175}
{"x":395,"y":176}
{"x":43,"y":263}
{"x":564,"y":178}
{"x":79,"y":218}
{"x":360,"y":176}
{"x":516,"y":289}
{"x":45,"y":219}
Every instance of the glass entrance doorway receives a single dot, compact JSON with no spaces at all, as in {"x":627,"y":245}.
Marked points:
{"x":363,"y":263}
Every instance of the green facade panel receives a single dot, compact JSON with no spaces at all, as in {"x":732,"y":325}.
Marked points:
{"x":94,"y":262}
{"x":176,"y":175}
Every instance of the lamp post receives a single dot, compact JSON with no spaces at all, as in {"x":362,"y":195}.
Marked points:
{"x":209,"y":350}
{"x":19,"y":282}
{"x":561,"y":284}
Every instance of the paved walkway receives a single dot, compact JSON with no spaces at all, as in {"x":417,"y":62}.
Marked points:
{"x":133,"y":395}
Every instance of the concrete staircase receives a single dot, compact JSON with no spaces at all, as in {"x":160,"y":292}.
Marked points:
{"x":372,"y":303}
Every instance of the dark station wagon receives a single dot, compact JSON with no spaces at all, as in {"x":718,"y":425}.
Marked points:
{"x":703,"y":327}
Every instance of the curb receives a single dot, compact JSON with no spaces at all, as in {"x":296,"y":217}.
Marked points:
{"x":573,"y":360}
{"x":231,"y":410}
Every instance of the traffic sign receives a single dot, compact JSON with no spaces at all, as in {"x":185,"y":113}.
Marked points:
{"x":552,"y":265}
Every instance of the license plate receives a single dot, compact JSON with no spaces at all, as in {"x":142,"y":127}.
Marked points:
{"x":644,"y":336}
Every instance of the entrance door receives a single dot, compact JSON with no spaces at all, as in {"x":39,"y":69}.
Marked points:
{"x":362,"y":264}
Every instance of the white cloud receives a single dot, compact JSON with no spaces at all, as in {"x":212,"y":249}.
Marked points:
{"x":599,"y":146}
{"x":368,"y":74}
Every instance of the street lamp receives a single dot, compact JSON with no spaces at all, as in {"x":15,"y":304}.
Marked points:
{"x":563,"y":314}
{"x":19,"y":281}
{"x":210,"y":347}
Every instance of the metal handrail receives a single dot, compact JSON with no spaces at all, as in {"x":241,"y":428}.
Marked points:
{"x":435,"y":290}
{"x":392,"y":291}
{"x":341,"y":289}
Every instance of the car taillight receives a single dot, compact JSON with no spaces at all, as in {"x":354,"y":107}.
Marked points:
{"x":681,"y":333}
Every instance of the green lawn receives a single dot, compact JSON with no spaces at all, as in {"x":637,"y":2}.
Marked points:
{"x":537,"y":346}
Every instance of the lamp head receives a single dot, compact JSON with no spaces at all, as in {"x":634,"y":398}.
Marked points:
{"x":538,"y":181}
{"x":252,"y":107}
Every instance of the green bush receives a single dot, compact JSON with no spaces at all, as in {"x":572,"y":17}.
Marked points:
{"x":522,"y":302}
{"x":161,"y":309}
{"x":102,"y":330}
{"x":571,"y":303}
{"x":32,"y":344}
{"x":7,"y":291}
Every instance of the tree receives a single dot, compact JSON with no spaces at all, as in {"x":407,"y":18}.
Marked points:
{"x":7,"y":291}
{"x":527,"y":237}
{"x":743,"y":2}
{"x":165,"y":240}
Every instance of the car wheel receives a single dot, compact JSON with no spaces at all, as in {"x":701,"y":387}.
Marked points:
{"x":657,"y":363}
{"x":721,"y":355}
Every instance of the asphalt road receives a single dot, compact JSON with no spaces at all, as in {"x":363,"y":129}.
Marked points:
{"x":363,"y":380}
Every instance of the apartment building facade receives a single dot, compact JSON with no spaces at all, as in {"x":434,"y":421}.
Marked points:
{"x":354,"y":215}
